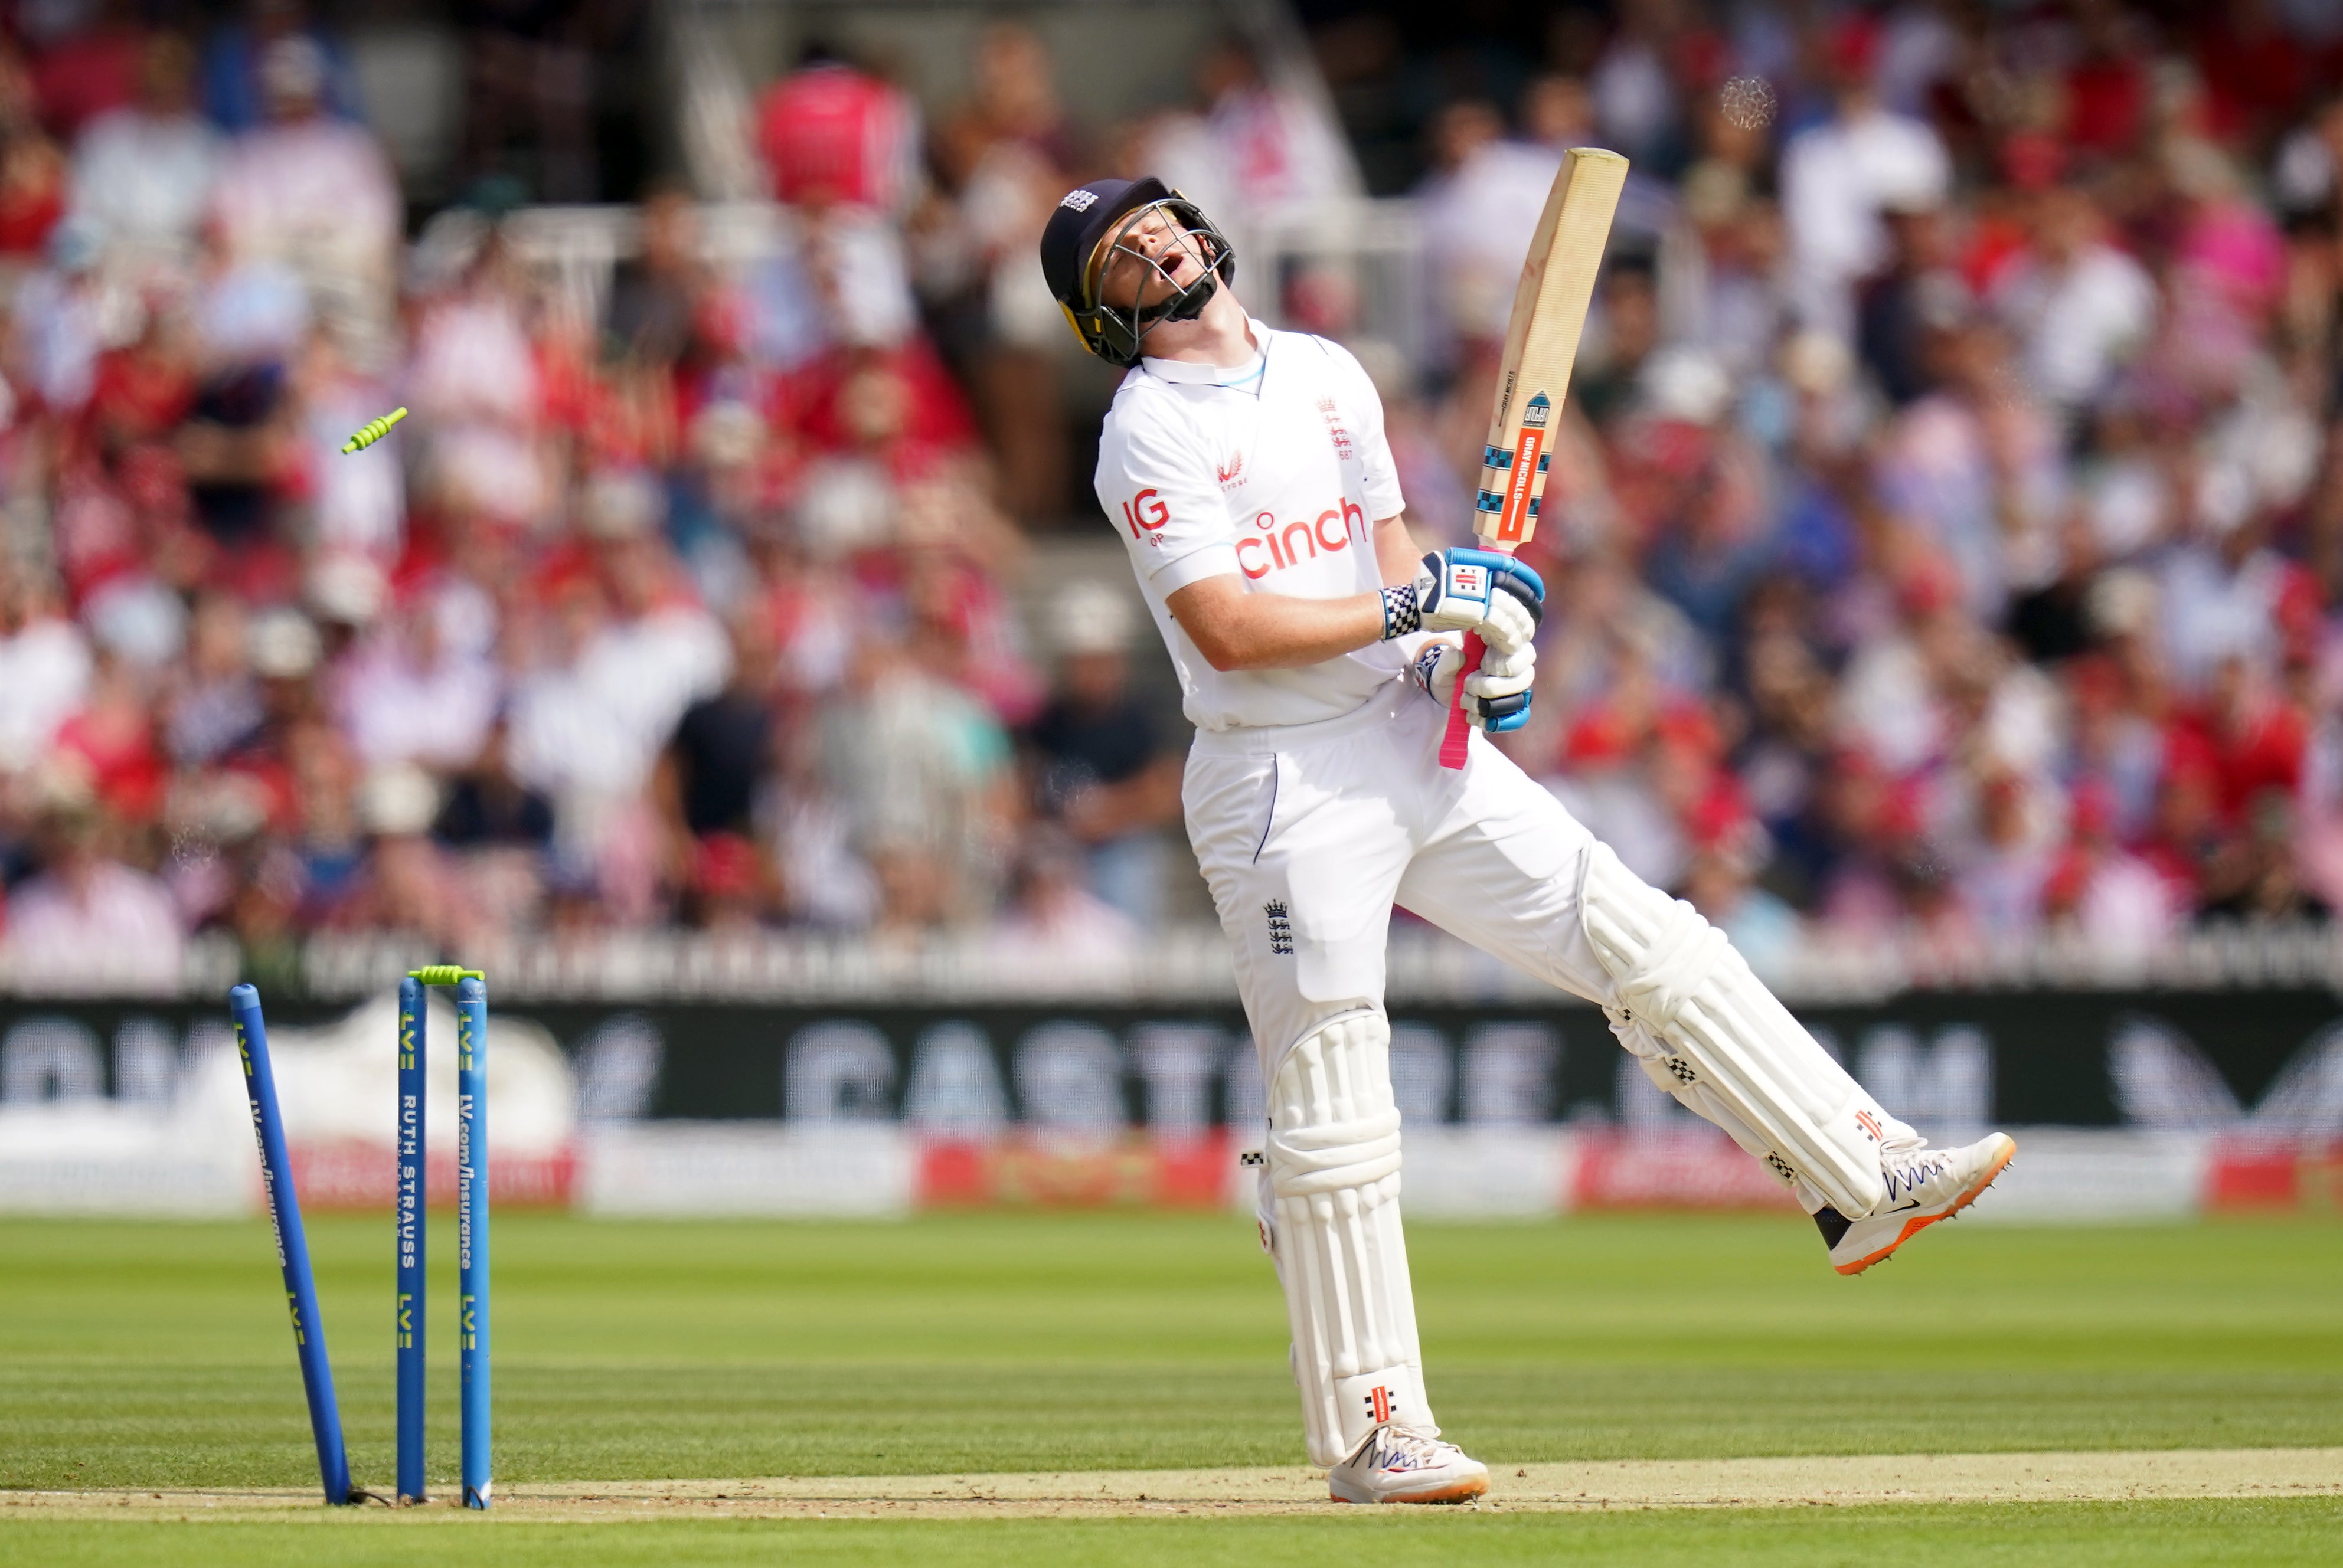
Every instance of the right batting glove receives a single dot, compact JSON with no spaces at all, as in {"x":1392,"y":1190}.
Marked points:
{"x":1486,"y":591}
{"x":1496,"y":696}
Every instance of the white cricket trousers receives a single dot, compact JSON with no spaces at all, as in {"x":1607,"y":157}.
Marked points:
{"x":1308,"y":834}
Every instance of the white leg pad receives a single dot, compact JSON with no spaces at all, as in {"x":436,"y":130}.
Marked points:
{"x":1728,"y":1037}
{"x":1330,"y":1194}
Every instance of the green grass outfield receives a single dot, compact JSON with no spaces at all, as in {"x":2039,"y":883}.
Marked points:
{"x":2071,"y":1535}
{"x":157,"y":1355}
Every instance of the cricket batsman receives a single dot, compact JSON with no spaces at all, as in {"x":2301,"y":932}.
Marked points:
{"x":1319,"y":650}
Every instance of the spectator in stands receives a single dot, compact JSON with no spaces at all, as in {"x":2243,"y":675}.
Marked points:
{"x":410,"y":691}
{"x":2113,"y":899}
{"x":58,"y":326}
{"x":1053,"y":921}
{"x":403,"y":884}
{"x":835,"y":135}
{"x":1273,"y":148}
{"x":2081,"y":307}
{"x":236,"y":64}
{"x":32,"y":174}
{"x":1720,"y":880}
{"x":1716,"y":284}
{"x":625,"y":653}
{"x":44,"y":670}
{"x":143,"y":173}
{"x":730,"y":885}
{"x":88,"y":67}
{"x":312,"y":192}
{"x":1917,"y":295}
{"x":1007,"y":157}
{"x":721,"y":753}
{"x":924,"y":775}
{"x":89,"y":923}
{"x":497,"y":834}
{"x":1475,"y":197}
{"x":1100,"y":768}
{"x":531,"y":71}
{"x":1837,"y":176}
{"x":485,"y":395}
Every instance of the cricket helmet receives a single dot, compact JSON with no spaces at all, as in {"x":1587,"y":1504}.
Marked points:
{"x":1090,"y":224}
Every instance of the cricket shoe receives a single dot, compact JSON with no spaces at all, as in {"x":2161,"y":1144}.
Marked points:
{"x":1923,"y":1186}
{"x":1396,"y":1463}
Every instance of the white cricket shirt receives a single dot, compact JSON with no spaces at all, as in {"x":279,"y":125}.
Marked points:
{"x":1272,"y":473}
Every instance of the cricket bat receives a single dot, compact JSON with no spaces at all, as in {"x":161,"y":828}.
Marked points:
{"x":1541,"y":343}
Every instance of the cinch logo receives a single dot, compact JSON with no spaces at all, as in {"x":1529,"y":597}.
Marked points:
{"x":1144,"y":513}
{"x":1284,"y":545}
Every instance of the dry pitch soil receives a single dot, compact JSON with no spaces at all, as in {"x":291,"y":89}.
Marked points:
{"x":1785,"y":1483}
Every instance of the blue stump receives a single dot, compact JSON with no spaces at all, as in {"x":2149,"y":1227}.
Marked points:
{"x":292,"y":1244}
{"x":472,"y":1229}
{"x":410,"y":1290}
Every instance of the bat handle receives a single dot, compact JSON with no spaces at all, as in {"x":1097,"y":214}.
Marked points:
{"x":1460,"y":728}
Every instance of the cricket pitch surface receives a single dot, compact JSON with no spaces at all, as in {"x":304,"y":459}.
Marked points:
{"x":1806,"y":1481}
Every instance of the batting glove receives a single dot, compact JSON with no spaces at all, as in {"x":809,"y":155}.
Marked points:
{"x":1485,"y":591}
{"x":1496,"y":696}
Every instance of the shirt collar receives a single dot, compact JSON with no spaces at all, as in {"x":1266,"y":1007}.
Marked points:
{"x":1187,"y":373}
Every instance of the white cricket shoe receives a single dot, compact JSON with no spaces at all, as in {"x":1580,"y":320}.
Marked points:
{"x":1923,"y":1186}
{"x":1397,"y":1463}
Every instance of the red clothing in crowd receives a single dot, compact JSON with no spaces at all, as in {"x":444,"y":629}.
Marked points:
{"x":830,"y":134}
{"x":84,"y":76}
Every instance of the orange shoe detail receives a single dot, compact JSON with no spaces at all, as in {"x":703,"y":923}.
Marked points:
{"x":1462,"y":1492}
{"x":1918,"y":1224}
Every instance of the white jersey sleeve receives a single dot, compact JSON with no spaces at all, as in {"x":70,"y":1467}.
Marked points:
{"x":1155,"y":481}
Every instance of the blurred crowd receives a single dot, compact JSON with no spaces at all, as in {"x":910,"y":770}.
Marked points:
{"x":1944,"y":535}
{"x":1947,"y":533}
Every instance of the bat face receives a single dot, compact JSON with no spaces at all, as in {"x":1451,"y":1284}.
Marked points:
{"x":1523,"y":469}
{"x":1541,"y":342}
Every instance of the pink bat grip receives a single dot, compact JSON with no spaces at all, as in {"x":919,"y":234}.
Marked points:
{"x":1460,"y":728}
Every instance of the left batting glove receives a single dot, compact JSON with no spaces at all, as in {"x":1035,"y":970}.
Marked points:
{"x":1463,"y":589}
{"x":1496,"y":696}
{"x":1487,"y":591}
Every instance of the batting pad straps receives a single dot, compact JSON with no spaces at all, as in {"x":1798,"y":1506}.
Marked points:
{"x":1685,"y":953}
{"x":1679,"y":978}
{"x":1356,"y":1154}
{"x":1332,"y":1157}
